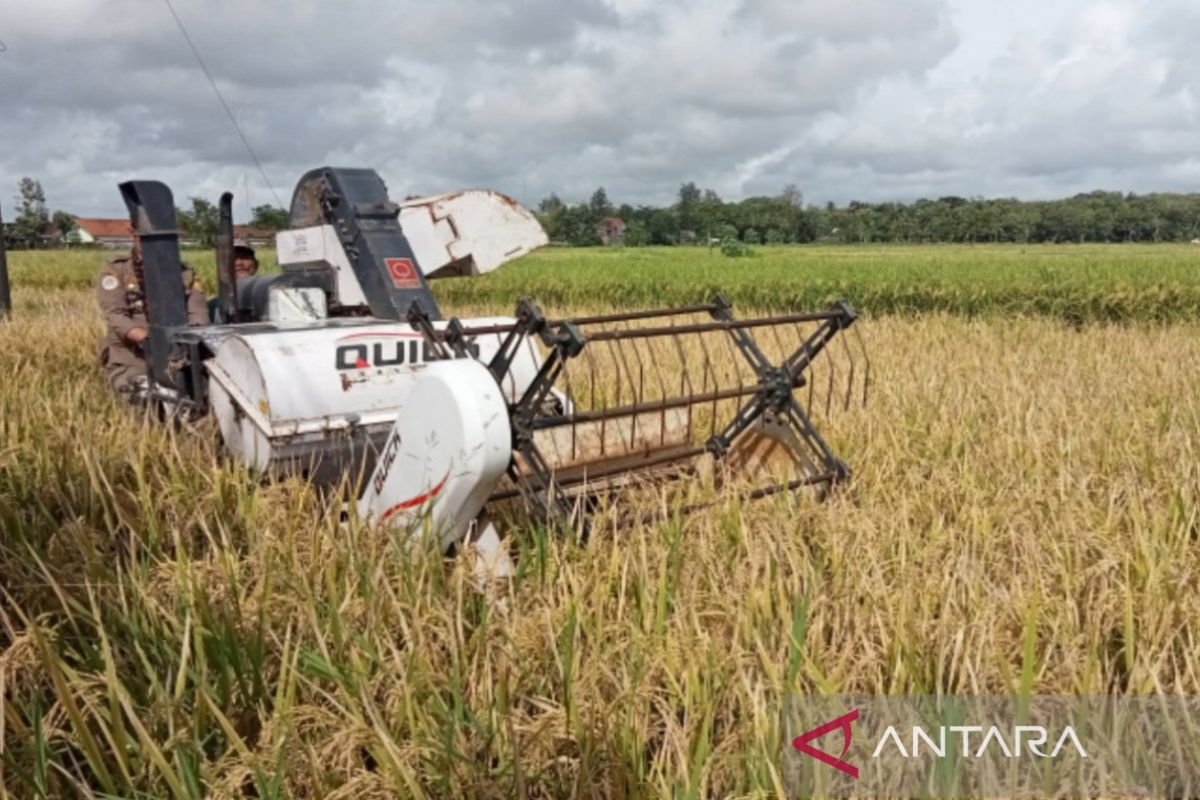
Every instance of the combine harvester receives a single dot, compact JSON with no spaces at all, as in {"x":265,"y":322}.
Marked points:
{"x":342,"y":367}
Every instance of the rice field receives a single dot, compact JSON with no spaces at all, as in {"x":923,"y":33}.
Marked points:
{"x":1024,"y":517}
{"x":1078,"y":283}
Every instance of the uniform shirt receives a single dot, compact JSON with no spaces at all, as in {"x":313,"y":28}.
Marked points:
{"x":123,"y":306}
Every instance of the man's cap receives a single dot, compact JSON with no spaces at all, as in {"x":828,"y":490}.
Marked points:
{"x":242,"y":244}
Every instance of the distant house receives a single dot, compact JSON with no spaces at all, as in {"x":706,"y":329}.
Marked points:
{"x":48,"y":235}
{"x":611,"y":230}
{"x":115,"y":233}
{"x":255,"y":237}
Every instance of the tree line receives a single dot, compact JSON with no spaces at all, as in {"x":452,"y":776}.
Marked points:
{"x":33,"y":225}
{"x":700,"y":216}
{"x":200,"y":222}
{"x":33,"y":221}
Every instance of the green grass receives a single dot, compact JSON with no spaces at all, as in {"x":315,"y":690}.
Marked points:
{"x":1072,"y":282}
{"x":1077,"y":283}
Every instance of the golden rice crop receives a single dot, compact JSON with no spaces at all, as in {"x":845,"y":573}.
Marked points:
{"x":1024,"y":517}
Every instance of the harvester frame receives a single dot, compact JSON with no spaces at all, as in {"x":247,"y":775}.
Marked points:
{"x":341,"y":366}
{"x":770,"y":400}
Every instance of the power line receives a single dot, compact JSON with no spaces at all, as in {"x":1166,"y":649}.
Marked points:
{"x":224,"y":105}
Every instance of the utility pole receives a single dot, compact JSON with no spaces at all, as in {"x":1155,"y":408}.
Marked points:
{"x":5,"y":296}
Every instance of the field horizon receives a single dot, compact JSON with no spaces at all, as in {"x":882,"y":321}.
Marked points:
{"x":1075,"y":282}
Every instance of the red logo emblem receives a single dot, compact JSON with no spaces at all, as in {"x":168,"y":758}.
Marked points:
{"x":842,"y":723}
{"x":404,"y":274}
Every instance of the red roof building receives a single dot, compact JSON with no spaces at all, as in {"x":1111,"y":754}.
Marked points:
{"x":106,"y":232}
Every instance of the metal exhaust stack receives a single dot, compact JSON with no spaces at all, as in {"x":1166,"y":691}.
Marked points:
{"x":5,"y":295}
{"x":152,"y":214}
{"x":226,"y":275}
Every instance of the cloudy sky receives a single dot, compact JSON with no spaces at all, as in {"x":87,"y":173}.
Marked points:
{"x":849,"y":99}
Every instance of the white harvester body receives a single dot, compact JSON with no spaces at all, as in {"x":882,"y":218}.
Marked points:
{"x":446,"y":452}
{"x":327,"y":398}
{"x":319,"y":245}
{"x":308,"y":400}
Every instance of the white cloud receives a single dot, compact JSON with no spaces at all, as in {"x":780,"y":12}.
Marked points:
{"x":862,"y":99}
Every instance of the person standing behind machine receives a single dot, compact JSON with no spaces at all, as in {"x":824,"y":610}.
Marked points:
{"x":245,"y":265}
{"x":121,"y":293}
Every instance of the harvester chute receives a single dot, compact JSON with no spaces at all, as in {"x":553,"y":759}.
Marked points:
{"x":469,"y":233}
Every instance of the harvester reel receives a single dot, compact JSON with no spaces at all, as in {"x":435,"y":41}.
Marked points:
{"x":623,"y":400}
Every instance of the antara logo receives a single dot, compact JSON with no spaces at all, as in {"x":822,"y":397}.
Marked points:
{"x":992,"y":740}
{"x":1029,"y":740}
{"x":843,"y":724}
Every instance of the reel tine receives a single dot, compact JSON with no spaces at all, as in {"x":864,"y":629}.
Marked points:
{"x":657,"y":359}
{"x":780,"y":350}
{"x":594,"y":374}
{"x":862,"y":345}
{"x":568,"y":387}
{"x":709,"y":372}
{"x":634,"y":388}
{"x":641,"y":398}
{"x":685,"y":380}
{"x":616,"y":364}
{"x":850,"y":378}
{"x":735,"y":358}
{"x":829,"y":388}
{"x":620,"y":398}
{"x":811,"y":381}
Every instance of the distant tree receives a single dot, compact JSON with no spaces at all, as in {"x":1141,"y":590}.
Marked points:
{"x":577,"y":226}
{"x":201,"y":222}
{"x":550,"y":213}
{"x":66,"y":224}
{"x":689,"y":194}
{"x":750,"y":236}
{"x":31,"y":213}
{"x":636,"y":233}
{"x":31,"y":199}
{"x":687,"y":207}
{"x":792,"y":194}
{"x":270,"y":217}
{"x":662,"y":225}
{"x":599,"y":205}
{"x":707,"y":214}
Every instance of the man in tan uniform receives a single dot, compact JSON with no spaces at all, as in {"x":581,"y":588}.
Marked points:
{"x":245,"y":265}
{"x":122,"y":297}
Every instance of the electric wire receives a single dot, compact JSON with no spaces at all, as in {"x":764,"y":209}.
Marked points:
{"x":224,"y":105}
